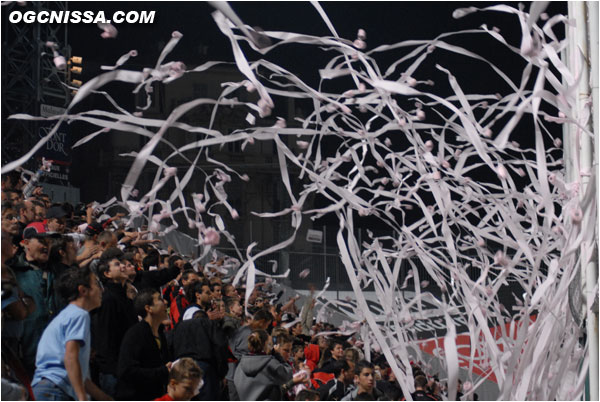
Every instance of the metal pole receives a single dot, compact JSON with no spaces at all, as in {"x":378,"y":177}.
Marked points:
{"x":568,"y":143}
{"x":325,"y":250}
{"x":594,"y":45}
{"x":592,"y":164}
{"x":577,"y":11}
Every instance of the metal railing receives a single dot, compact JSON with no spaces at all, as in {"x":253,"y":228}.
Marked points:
{"x":320,"y":266}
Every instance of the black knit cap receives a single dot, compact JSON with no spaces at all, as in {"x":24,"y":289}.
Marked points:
{"x":93,"y":229}
{"x":112,"y":253}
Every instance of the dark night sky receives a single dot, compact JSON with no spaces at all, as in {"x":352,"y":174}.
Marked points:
{"x":384,"y":22}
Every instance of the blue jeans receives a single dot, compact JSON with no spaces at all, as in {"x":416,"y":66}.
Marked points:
{"x":46,"y":390}
{"x":210,"y":390}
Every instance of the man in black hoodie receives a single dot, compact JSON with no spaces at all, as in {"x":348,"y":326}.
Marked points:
{"x":112,"y":320}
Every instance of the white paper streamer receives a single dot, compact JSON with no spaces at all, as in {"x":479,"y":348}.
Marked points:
{"x":442,"y":176}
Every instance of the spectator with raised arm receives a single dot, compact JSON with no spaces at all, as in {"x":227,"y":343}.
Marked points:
{"x":112,"y":320}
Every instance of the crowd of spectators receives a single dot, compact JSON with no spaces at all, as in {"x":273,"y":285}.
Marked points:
{"x":94,"y":309}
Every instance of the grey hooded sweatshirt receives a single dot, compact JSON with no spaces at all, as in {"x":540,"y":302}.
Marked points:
{"x":260,"y":377}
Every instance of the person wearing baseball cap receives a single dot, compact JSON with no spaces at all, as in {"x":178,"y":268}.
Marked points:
{"x":37,"y":281}
{"x":56,"y":219}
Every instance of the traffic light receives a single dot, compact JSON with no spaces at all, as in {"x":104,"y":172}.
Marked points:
{"x":75,"y":68}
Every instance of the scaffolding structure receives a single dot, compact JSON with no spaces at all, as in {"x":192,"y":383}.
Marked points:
{"x":29,"y":76}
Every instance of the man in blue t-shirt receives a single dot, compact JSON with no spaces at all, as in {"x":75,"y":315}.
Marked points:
{"x":63,"y":355}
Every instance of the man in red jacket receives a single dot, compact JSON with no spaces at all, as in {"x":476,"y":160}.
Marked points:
{"x":180,"y":302}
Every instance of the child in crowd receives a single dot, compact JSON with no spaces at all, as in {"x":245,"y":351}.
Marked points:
{"x":63,"y":353}
{"x":185,"y":380}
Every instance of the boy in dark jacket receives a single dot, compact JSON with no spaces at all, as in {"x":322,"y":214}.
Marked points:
{"x":112,"y":320}
{"x":143,"y":370}
{"x":365,"y":380}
